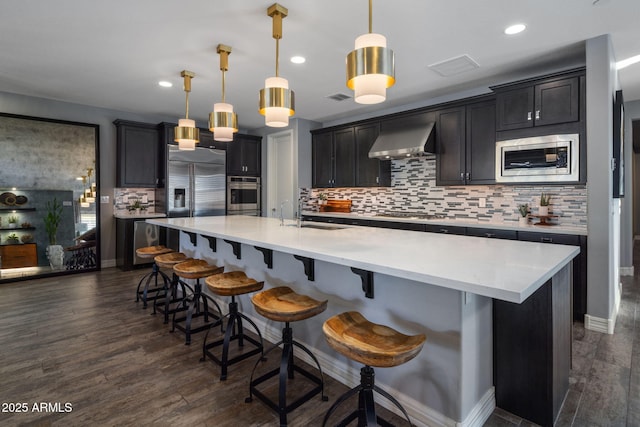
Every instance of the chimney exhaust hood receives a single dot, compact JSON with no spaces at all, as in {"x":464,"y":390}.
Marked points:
{"x":403,"y":142}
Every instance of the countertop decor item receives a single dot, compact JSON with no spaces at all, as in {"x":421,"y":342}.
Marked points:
{"x":545,"y":199}
{"x":334,"y":205}
{"x":524,"y":213}
{"x":13,"y":239}
{"x":13,"y":221}
{"x":8,"y":199}
{"x":26,"y":238}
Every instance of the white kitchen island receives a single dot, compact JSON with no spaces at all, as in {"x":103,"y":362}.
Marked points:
{"x":441,"y":285}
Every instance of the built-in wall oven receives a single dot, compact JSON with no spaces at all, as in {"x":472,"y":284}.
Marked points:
{"x":243,"y":195}
{"x":548,"y":158}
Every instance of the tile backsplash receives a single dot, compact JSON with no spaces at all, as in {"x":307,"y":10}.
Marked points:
{"x":414,"y":190}
{"x":123,"y":197}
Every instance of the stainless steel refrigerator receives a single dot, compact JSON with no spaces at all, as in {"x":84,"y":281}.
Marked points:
{"x":195,"y":182}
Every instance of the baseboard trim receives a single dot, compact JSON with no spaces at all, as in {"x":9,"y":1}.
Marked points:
{"x":421,"y":415}
{"x":627,"y":271}
{"x":482,"y":411}
{"x":106,"y":263}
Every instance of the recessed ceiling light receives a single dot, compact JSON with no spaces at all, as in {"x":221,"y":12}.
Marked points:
{"x":515,"y":29}
{"x":626,"y":62}
{"x":298,"y":59}
{"x":165,"y":83}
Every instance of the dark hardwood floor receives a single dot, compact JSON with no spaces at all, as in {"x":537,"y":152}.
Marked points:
{"x":80,"y":345}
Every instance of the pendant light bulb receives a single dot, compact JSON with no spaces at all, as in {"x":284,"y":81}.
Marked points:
{"x":186,"y":134}
{"x":277,"y":101}
{"x":223,"y":122}
{"x":370,"y":67}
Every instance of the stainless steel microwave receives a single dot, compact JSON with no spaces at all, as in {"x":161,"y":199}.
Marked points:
{"x":549,"y":158}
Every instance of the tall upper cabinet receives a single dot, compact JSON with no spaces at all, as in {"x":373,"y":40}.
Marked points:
{"x":139,"y":155}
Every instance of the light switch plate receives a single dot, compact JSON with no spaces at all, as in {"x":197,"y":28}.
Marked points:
{"x":482,"y":202}
{"x":67,"y":203}
{"x":104,"y":199}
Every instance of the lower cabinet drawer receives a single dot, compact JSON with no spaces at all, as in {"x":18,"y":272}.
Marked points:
{"x":492,"y":233}
{"x":446,"y":229}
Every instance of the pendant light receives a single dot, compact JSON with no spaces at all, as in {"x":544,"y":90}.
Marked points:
{"x":370,"y":67}
{"x":223,"y":122}
{"x":82,"y":200}
{"x":186,"y":134}
{"x":89,"y":194}
{"x":277,"y":101}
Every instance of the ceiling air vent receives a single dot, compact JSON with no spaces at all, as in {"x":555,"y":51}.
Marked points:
{"x":338,"y":96}
{"x":453,"y":66}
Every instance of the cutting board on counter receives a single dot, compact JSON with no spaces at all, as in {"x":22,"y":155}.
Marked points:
{"x":336,"y":205}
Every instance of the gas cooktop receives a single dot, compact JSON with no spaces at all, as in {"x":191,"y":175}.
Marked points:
{"x":410,"y":215}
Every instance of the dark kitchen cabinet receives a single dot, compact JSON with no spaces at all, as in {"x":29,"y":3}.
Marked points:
{"x":492,"y":233}
{"x":579,"y":265}
{"x":370,"y":172}
{"x":333,"y":158}
{"x":244,"y":155}
{"x":544,"y":103}
{"x":465,"y":141}
{"x":140,"y":155}
{"x":446,"y":229}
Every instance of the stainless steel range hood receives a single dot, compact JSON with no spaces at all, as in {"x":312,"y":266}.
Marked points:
{"x":403,"y":142}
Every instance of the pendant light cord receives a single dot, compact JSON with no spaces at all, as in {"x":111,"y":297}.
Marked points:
{"x":370,"y":16}
{"x":186,"y":115}
{"x":223,"y":91}
{"x":277,"y":57}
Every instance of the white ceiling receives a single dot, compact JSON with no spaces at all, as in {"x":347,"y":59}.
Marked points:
{"x":112,"y":53}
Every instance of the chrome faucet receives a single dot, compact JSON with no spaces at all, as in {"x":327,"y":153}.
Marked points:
{"x":282,"y":211}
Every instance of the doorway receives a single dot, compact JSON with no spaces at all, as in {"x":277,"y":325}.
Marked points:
{"x":282,"y":183}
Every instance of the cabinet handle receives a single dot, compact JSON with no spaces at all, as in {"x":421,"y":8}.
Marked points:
{"x":377,"y":180}
{"x":489,"y":235}
{"x":468,"y":176}
{"x":461,"y":176}
{"x":529,"y":116}
{"x":546,"y":240}
{"x":444,"y":230}
{"x":537,"y":114}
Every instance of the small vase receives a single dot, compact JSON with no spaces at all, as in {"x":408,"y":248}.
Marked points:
{"x":13,"y":225}
{"x":523,"y":220}
{"x":543,"y":210}
{"x":55,"y":255}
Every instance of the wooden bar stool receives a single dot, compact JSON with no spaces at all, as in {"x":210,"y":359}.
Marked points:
{"x":284,"y":305}
{"x":150,"y":252}
{"x":196,"y":269}
{"x":372,"y":345}
{"x":231,"y":284}
{"x":169,"y":260}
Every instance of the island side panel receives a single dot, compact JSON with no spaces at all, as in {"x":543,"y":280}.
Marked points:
{"x":429,"y":386}
{"x":532,"y":351}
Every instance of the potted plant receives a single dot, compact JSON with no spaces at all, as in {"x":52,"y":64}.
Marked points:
{"x":13,"y":221}
{"x":545,"y":199}
{"x":323,"y":198}
{"x":136,"y":207}
{"x":52,"y":220}
{"x":524,"y":212}
{"x":13,"y":239}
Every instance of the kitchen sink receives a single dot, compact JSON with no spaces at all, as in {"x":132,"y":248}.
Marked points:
{"x":318,"y":226}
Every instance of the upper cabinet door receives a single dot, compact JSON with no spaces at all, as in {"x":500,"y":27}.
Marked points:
{"x":557,"y":102}
{"x":481,"y":143}
{"x":450,"y":146}
{"x":243,"y":156}
{"x":322,"y":160}
{"x":138,"y":151}
{"x":345,"y":152}
{"x":515,"y":109}
{"x":370,"y":172}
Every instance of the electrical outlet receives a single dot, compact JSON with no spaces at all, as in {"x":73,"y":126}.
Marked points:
{"x":104,"y":199}
{"x":67,"y":203}
{"x":482,"y":202}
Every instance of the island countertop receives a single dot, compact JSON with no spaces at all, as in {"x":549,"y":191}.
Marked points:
{"x":503,"y":269}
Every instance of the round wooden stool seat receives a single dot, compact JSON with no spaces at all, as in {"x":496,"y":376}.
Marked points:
{"x":170,"y":259}
{"x":152,"y":251}
{"x":282,"y":304}
{"x":369,"y":343}
{"x":196,"y":269}
{"x":232,"y":283}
